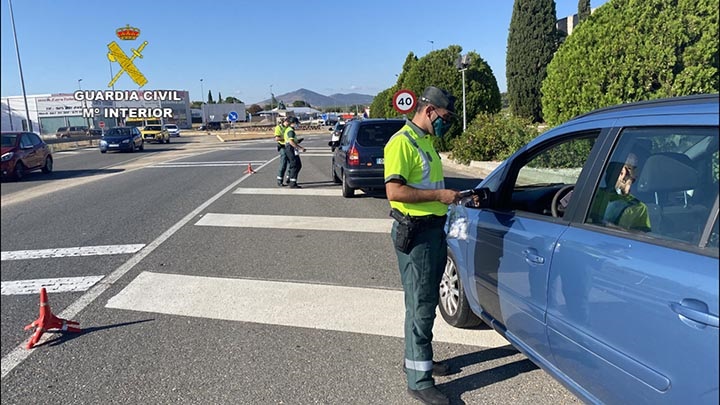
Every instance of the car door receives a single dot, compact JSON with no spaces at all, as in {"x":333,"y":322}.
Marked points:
{"x":30,"y":154}
{"x":341,"y":151}
{"x":633,"y":313}
{"x":511,"y":243}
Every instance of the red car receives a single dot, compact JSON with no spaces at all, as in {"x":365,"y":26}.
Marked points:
{"x":23,"y":152}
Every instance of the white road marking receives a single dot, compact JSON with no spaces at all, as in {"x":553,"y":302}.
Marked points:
{"x":328,"y":192}
{"x":52,"y":285}
{"x":20,"y":353}
{"x":327,"y":307}
{"x":71,"y":252}
{"x":175,"y":164}
{"x":297,"y":222}
{"x":315,"y":154}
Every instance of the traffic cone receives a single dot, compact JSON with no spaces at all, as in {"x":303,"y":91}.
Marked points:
{"x":249,"y":169}
{"x":47,"y":321}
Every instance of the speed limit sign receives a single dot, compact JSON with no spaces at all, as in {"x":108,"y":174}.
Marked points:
{"x":404,"y":101}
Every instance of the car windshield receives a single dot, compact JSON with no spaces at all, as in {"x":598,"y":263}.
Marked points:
{"x":171,"y":126}
{"x":153,"y":128}
{"x":62,"y":129}
{"x":9,"y":139}
{"x":118,"y":132}
{"x":377,"y":134}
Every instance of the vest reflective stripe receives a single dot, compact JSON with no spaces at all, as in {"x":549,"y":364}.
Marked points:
{"x":418,"y":365}
{"x":425,"y":183}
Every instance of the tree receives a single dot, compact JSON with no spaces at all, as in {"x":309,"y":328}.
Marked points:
{"x":220,"y":99}
{"x":532,"y":41}
{"x":210,"y":99}
{"x":299,"y":103}
{"x":231,"y":100}
{"x":196,"y":104}
{"x":631,"y":50}
{"x":584,"y":10}
{"x":254,"y":109}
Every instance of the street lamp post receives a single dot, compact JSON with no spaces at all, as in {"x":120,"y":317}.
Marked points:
{"x":22,"y":80}
{"x":463,"y":62}
{"x":84,"y":104}
{"x":202,"y":104}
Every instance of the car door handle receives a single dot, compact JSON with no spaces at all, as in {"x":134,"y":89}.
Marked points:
{"x":532,"y":257}
{"x":694,"y":310}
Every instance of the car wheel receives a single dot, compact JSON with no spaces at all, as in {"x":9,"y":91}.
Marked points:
{"x":103,"y":151}
{"x":48,"y":168}
{"x":454,"y":306}
{"x":142,"y":146}
{"x":347,"y":191}
{"x":19,"y":171}
{"x":332,"y":173}
{"x":132,"y":147}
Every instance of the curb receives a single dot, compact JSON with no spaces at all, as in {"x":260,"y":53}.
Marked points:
{"x":474,"y":169}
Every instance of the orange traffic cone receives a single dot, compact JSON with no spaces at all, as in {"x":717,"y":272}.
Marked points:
{"x":47,"y":321}
{"x":249,"y":169}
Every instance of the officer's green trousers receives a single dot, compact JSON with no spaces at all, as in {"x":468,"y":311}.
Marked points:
{"x":420,"y":272}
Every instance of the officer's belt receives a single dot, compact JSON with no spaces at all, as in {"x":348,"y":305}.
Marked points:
{"x":428,"y":221}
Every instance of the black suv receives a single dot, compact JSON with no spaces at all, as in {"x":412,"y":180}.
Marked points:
{"x":358,"y":158}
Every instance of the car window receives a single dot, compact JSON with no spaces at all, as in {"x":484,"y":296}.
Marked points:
{"x":62,"y":129}
{"x":9,"y":139}
{"x":25,"y":141}
{"x":547,"y":169}
{"x":377,"y":134}
{"x":650,"y":184}
{"x":35,"y":140}
{"x":153,"y":128}
{"x":345,"y":136}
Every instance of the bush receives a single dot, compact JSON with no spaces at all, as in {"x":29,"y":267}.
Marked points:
{"x":492,"y":137}
{"x":632,"y":50}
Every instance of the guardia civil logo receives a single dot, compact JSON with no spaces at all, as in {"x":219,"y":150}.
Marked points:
{"x":126,"y":63}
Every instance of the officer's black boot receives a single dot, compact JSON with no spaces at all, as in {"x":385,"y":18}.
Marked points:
{"x":431,"y":396}
{"x":294,"y":184}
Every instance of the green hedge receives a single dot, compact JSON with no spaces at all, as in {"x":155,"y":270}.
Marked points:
{"x":492,"y":137}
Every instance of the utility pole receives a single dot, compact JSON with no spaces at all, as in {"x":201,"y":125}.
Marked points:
{"x":22,"y":80}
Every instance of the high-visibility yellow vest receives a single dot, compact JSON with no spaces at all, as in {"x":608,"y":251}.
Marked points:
{"x":412,"y":158}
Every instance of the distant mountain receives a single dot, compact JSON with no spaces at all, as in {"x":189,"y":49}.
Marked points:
{"x":319,"y":100}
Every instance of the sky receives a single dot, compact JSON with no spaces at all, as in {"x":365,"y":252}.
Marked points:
{"x":245,"y":49}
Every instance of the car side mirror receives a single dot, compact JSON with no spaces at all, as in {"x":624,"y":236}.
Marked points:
{"x":480,"y":197}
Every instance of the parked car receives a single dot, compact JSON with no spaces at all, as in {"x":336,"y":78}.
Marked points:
{"x":95,"y":132}
{"x":620,"y":310}
{"x":126,"y":139}
{"x":155,"y":133}
{"x":173,"y":130}
{"x":23,"y":152}
{"x":335,"y":137}
{"x":358,"y":158}
{"x":69,"y":132}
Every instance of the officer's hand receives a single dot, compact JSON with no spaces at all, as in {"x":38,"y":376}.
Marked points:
{"x":449,"y":196}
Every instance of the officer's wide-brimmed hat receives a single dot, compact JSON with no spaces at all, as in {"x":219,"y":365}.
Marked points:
{"x":439,"y":98}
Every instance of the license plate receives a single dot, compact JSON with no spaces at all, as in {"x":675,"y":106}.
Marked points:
{"x":380,"y":161}
{"x":113,"y":145}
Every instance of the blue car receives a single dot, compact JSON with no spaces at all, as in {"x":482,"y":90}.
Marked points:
{"x":594,"y":251}
{"x":127,"y":139}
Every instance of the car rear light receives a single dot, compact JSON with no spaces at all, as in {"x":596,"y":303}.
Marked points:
{"x":353,"y":157}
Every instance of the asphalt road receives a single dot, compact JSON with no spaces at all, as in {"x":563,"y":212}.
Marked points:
{"x":195,"y":282}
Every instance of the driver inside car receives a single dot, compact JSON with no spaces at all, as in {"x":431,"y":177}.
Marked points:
{"x":614,"y":204}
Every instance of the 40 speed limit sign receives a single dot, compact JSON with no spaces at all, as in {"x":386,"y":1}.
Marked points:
{"x":404,"y":101}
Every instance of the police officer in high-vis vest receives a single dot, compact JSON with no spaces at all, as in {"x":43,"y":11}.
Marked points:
{"x":415,"y":187}
{"x":292,"y":151}
{"x":280,"y":139}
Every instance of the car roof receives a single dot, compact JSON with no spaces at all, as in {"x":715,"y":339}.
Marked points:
{"x":695,"y":104}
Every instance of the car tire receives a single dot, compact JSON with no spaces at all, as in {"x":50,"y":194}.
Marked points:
{"x":347,"y":191}
{"x":103,"y":151}
{"x":132,"y":147}
{"x":48,"y":168}
{"x":453,"y":304}
{"x":335,"y":178}
{"x":142,"y":146}
{"x":19,"y":171}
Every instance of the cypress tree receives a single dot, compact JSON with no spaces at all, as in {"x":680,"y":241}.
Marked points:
{"x":583,"y":10}
{"x":210,"y":99}
{"x":532,"y":41}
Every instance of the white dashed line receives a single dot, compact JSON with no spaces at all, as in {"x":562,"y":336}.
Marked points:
{"x":307,"y":191}
{"x":328,"y":307}
{"x":52,"y":285}
{"x":297,"y":222}
{"x":70,"y":252}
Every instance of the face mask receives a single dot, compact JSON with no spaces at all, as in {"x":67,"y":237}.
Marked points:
{"x":440,"y":127}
